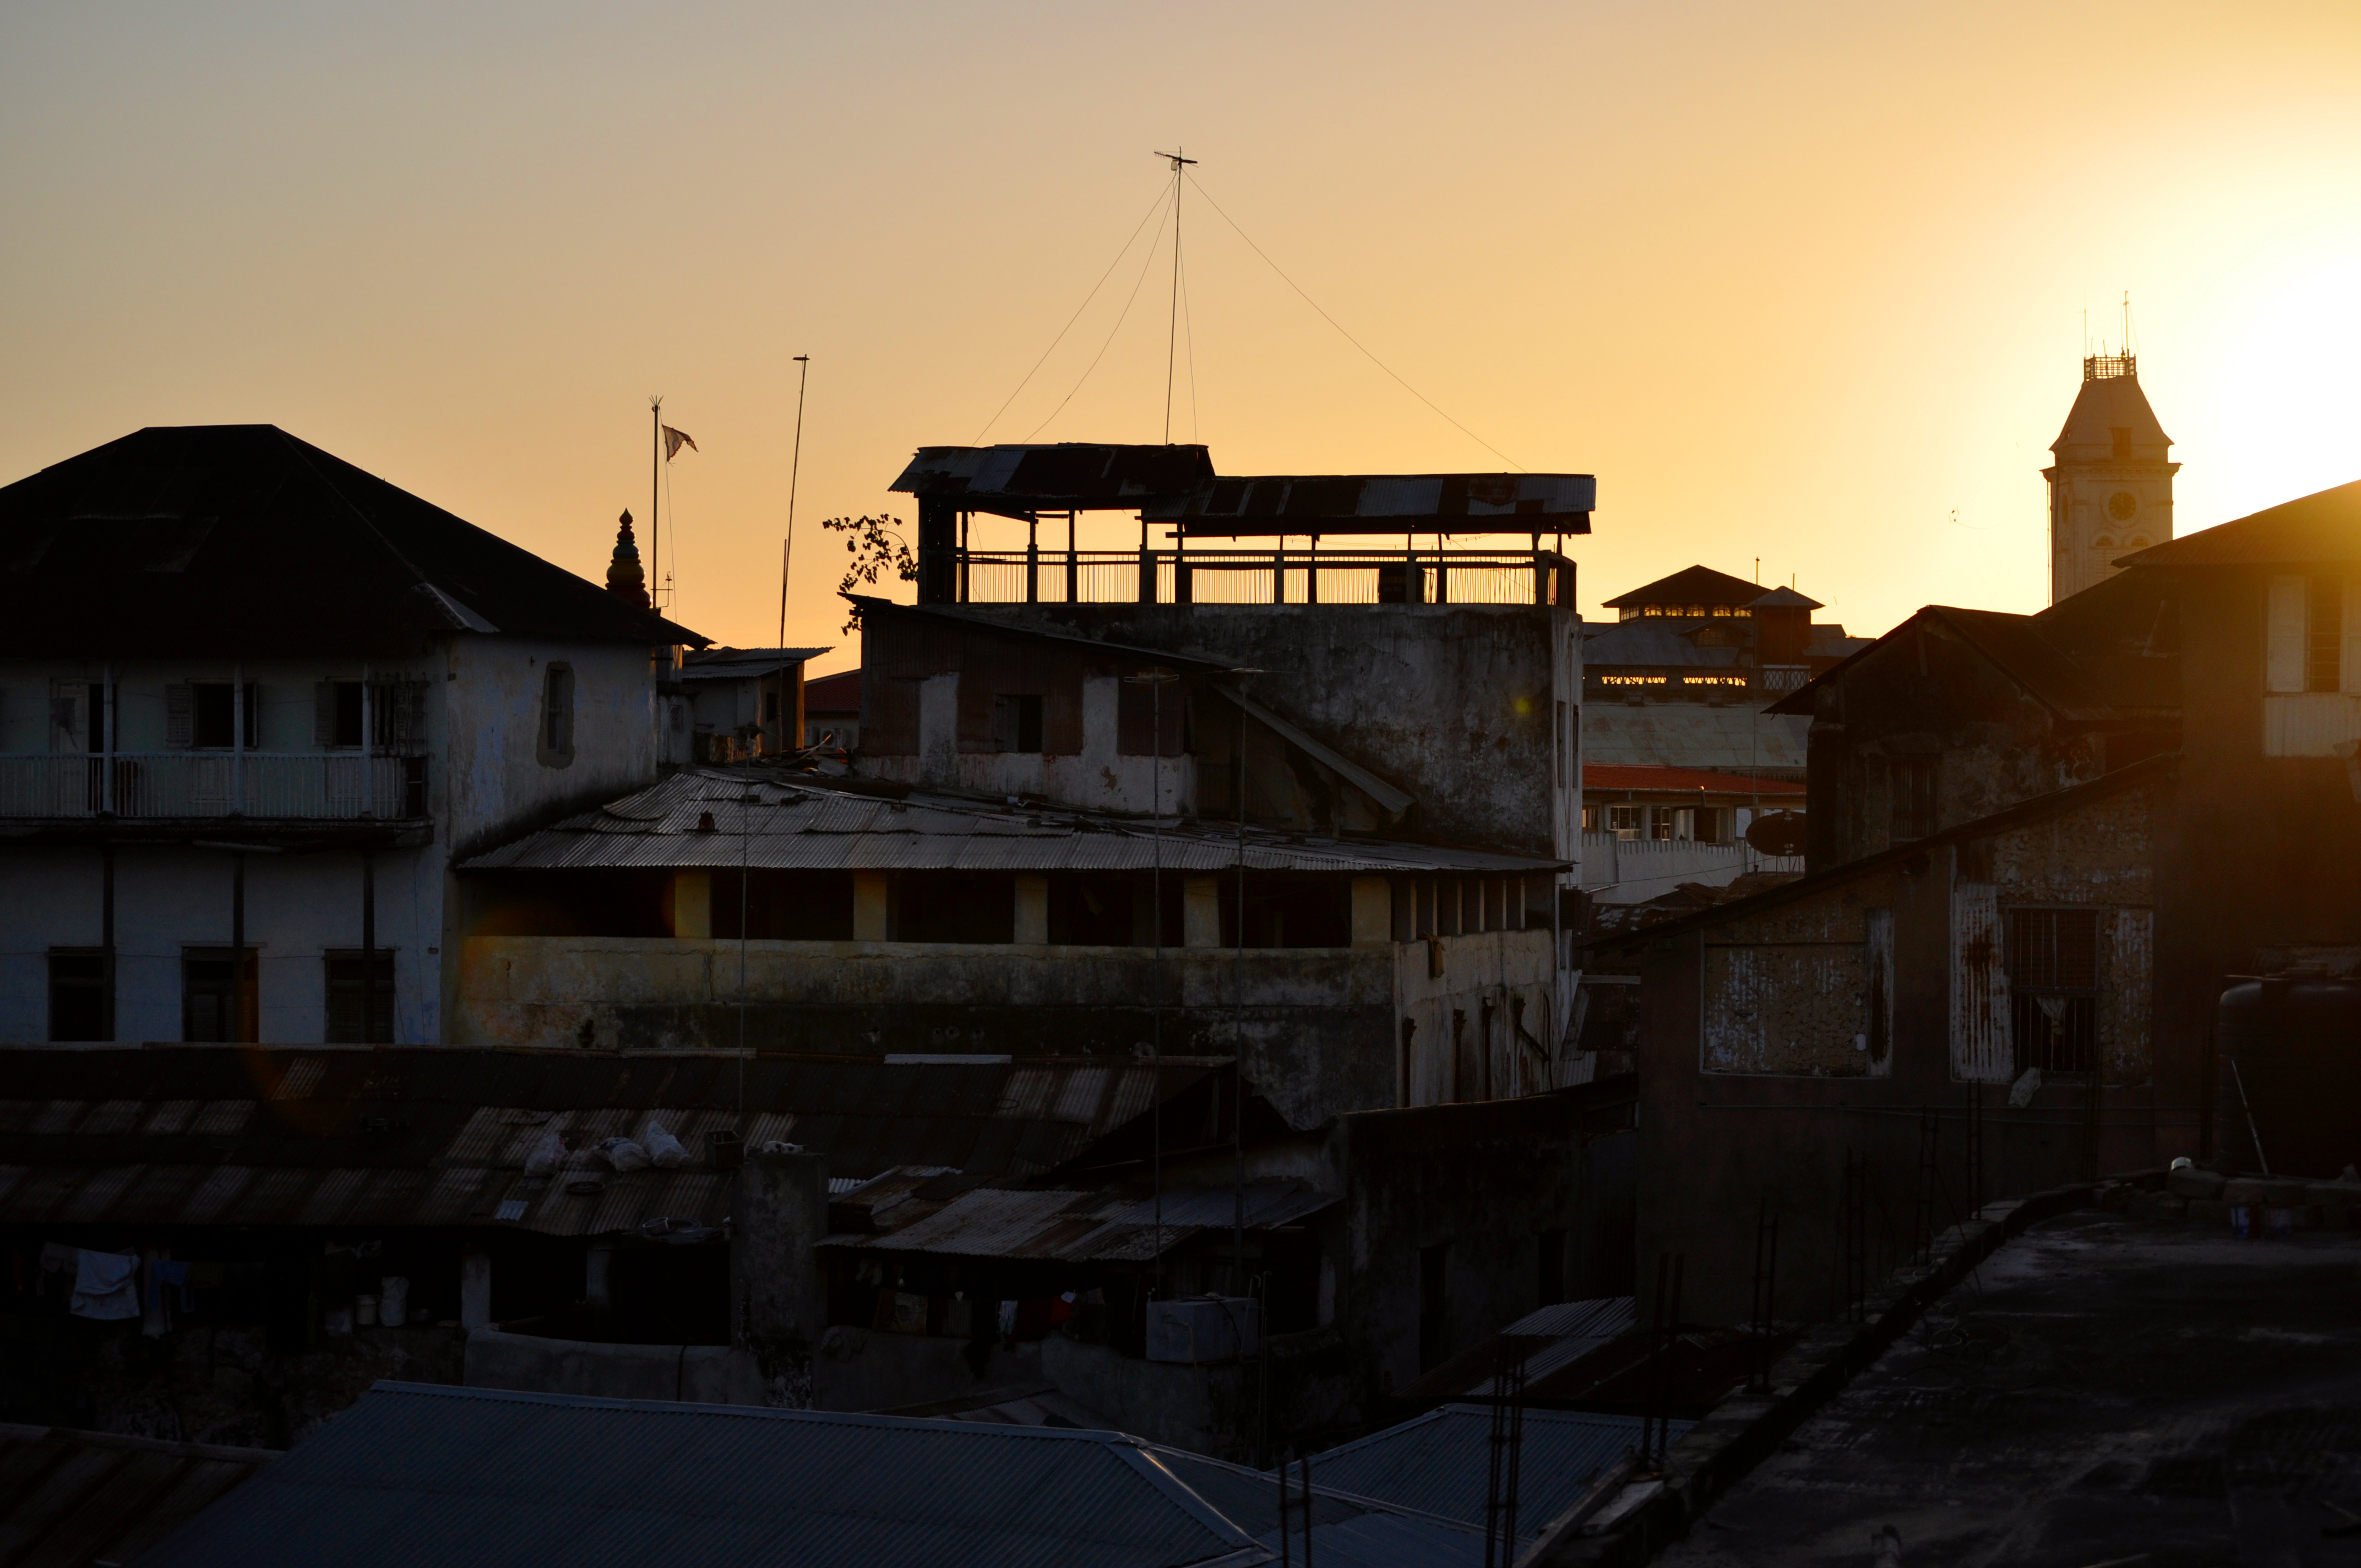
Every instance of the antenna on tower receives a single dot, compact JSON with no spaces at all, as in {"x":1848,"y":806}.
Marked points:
{"x":2127,"y":323}
{"x":1173,"y":326}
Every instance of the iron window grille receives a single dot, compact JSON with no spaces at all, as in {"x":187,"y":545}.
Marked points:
{"x":2053,"y":989}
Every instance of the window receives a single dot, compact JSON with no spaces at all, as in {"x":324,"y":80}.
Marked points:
{"x":2053,"y":989}
{"x":557,"y":738}
{"x":1911,"y":780}
{"x":1626,"y":821}
{"x":350,"y":976}
{"x":80,"y":1007}
{"x":210,"y":995}
{"x":2323,"y":633}
{"x":2123,"y":435}
{"x":397,"y":715}
{"x":204,"y":714}
{"x":1016,"y":723}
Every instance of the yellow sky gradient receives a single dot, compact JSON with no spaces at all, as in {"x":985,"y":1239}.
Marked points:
{"x":1803,"y":283}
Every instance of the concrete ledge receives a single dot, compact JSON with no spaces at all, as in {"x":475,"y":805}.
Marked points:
{"x":698,"y":1374}
{"x":1745,"y":1429}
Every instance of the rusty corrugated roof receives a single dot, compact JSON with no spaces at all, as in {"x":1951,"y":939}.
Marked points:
{"x":78,"y":1499}
{"x":439,"y":1135}
{"x":710,"y":816}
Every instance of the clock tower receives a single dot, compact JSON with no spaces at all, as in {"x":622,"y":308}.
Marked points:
{"x":2111,"y":484}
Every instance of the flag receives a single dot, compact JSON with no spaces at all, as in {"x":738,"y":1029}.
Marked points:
{"x":674,"y":440}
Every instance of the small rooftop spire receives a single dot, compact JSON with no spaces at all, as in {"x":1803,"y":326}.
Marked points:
{"x":625,"y":580}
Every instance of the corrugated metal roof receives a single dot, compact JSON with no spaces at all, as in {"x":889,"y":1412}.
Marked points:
{"x":739,"y":664}
{"x":1080,"y":1227}
{"x":74,"y":1498}
{"x":1541,"y":1341}
{"x":438,"y":1135}
{"x":1346,"y":1531}
{"x":1692,"y":735}
{"x":1384,"y":503}
{"x":1440,"y":1461}
{"x":1084,"y":475}
{"x":485,"y":1479}
{"x":814,"y":824}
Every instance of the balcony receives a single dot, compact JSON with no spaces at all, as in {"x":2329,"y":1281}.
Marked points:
{"x":1261,"y":577}
{"x":322,"y":787}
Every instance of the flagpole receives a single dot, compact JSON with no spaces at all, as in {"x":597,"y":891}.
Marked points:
{"x":656,"y":488}
{"x":787,"y":554}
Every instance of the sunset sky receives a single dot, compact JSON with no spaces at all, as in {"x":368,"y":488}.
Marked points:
{"x":1805,"y":283}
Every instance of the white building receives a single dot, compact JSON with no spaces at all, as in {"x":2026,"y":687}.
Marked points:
{"x":2111,"y":484}
{"x":254,"y":700}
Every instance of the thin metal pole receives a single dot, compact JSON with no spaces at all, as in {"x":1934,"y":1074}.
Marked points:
{"x":787,"y":555}
{"x":368,"y":950}
{"x":655,"y":490}
{"x":238,"y":945}
{"x":106,"y":730}
{"x":369,"y":766}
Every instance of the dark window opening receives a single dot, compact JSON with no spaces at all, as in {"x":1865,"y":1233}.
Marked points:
{"x":1112,"y":909}
{"x":1150,"y":718}
{"x":954,"y":906}
{"x":212,"y":715}
{"x":1016,"y":723}
{"x":633,"y":902}
{"x":1551,"y":1269}
{"x":210,"y":1013}
{"x":1289,"y":910}
{"x":557,"y":711}
{"x":770,"y":707}
{"x":348,"y":1025}
{"x":2123,"y":435}
{"x":783,"y":907}
{"x":80,"y":1007}
{"x":1434,"y":1302}
{"x":2324,"y":634}
{"x":1912,"y":784}
{"x":346,"y":696}
{"x":2053,"y":989}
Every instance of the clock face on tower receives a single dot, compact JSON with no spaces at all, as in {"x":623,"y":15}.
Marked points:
{"x":2121,"y":505}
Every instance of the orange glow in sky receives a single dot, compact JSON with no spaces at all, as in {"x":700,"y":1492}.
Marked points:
{"x":1801,"y":282}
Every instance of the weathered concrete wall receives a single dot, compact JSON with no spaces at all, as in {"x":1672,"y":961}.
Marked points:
{"x":1487,"y":1182}
{"x":168,"y":898}
{"x":1457,"y":704}
{"x":1927,"y":696}
{"x":1313,"y":1027}
{"x":1479,"y":1010}
{"x":860,"y":1369}
{"x":499,"y":783}
{"x":1723,"y":1131}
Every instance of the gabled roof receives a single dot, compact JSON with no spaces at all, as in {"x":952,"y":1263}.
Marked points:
{"x":2014,"y":644}
{"x":230,"y":539}
{"x":2322,"y":527}
{"x":474,"y":1477}
{"x":1691,"y":584}
{"x":839,"y":693}
{"x":1784,"y":598}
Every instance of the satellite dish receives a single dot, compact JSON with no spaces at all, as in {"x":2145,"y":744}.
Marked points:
{"x":1777,"y":833}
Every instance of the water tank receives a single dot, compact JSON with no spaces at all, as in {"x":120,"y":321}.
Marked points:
{"x":2293,"y":1046}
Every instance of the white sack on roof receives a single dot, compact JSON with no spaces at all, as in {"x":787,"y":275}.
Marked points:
{"x":546,"y":1157}
{"x":664,"y":1149}
{"x":623,"y":1154}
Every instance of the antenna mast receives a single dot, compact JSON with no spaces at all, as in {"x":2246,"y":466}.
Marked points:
{"x":787,"y":552}
{"x":656,"y":488}
{"x":1172,"y":325}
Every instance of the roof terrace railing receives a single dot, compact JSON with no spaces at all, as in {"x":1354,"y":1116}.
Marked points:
{"x":1263,"y":576}
{"x":164,"y":785}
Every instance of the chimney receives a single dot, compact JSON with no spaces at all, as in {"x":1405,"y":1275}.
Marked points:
{"x":625,"y":578}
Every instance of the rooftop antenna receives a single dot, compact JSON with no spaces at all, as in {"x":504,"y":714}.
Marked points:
{"x":2127,"y":323}
{"x":1172,"y":325}
{"x":656,"y":488}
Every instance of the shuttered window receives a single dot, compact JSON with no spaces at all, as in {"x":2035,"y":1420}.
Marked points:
{"x":396,"y":710}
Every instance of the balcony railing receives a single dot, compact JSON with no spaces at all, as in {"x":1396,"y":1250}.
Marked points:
{"x":1261,"y":577}
{"x":280,"y":785}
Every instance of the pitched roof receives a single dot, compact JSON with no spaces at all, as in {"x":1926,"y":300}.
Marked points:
{"x":1655,"y":644}
{"x":2321,"y":527}
{"x":2017,"y":644}
{"x":742,"y":663}
{"x":476,"y":1477}
{"x":839,"y":693}
{"x":197,"y":540}
{"x":1740,"y":737}
{"x":1691,"y":584}
{"x":2105,"y":405}
{"x":1784,"y":598}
